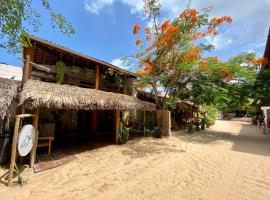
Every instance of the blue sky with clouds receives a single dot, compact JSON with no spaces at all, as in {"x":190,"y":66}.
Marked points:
{"x":104,"y":27}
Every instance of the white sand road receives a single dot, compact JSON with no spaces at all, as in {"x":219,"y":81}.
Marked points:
{"x":231,"y":160}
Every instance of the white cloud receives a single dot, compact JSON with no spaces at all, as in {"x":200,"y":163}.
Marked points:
{"x":250,"y":17}
{"x":95,"y":6}
{"x":119,"y":63}
{"x":220,"y":42}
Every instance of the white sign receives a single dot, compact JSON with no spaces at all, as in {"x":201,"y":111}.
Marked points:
{"x":26,"y":139}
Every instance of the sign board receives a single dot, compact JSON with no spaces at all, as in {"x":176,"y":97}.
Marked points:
{"x":26,"y":140}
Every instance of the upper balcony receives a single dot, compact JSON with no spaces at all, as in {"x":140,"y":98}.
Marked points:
{"x":79,"y":70}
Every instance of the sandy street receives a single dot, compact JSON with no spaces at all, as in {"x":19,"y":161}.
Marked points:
{"x":229,"y":161}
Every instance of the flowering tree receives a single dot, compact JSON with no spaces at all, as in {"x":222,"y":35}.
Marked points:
{"x":170,"y":55}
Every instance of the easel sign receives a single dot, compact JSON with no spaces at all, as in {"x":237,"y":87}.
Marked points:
{"x":24,"y":142}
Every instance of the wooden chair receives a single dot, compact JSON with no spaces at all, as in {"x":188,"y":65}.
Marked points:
{"x":46,"y":142}
{"x":46,"y":136}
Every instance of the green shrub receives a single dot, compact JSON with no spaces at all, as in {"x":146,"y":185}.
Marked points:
{"x":190,"y":127}
{"x":203,"y":123}
{"x":60,"y":72}
{"x":210,"y":121}
{"x":150,"y":121}
{"x":123,"y":135}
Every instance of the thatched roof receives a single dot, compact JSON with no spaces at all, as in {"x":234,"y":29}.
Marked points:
{"x":8,"y":93}
{"x":43,"y":94}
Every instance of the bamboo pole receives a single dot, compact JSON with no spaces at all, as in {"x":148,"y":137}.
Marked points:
{"x":13,"y":151}
{"x":34,"y":149}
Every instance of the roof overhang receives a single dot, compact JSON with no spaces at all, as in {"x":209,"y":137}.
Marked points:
{"x":50,"y":95}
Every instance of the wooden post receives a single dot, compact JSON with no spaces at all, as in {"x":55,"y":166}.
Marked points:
{"x":94,"y":112}
{"x":26,"y":69}
{"x":117,"y":126}
{"x":34,"y":149}
{"x":125,"y":89}
{"x":13,"y":151}
{"x":97,"y":77}
{"x":144,"y":119}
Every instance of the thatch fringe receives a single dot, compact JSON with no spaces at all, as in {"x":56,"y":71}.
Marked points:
{"x":43,"y":94}
{"x":8,"y":94}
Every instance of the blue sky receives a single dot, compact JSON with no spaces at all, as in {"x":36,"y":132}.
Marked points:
{"x":103,"y":28}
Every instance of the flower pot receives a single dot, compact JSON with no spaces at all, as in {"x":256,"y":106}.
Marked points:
{"x":4,"y":148}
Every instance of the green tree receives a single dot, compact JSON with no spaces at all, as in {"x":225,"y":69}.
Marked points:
{"x":17,"y":15}
{"x":170,"y":56}
{"x":232,"y":93}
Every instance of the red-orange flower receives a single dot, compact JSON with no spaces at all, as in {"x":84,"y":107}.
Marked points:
{"x":165,"y":25}
{"x":258,"y":61}
{"x":138,"y":42}
{"x":171,"y":30}
{"x":224,"y":70}
{"x":148,"y":37}
{"x":136,"y":29}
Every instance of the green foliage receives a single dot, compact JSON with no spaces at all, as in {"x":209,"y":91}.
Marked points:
{"x":119,"y":78}
{"x":124,"y":134}
{"x":150,"y":121}
{"x":89,"y":72}
{"x":226,"y":96}
{"x":197,"y":124}
{"x":210,"y":121}
{"x":75,"y":70}
{"x":190,"y":127}
{"x":261,"y":87}
{"x":18,"y":170}
{"x":254,"y":110}
{"x":17,"y":15}
{"x":60,"y":72}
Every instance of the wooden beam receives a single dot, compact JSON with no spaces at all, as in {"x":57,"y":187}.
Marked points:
{"x":26,"y":69}
{"x":30,"y":52}
{"x":117,"y":126}
{"x":34,"y":149}
{"x":97,"y":77}
{"x":13,"y":151}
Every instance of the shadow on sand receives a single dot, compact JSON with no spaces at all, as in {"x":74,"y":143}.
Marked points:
{"x":249,"y":140}
{"x":142,"y":147}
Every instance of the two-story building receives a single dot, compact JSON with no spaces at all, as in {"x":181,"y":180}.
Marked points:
{"x":89,"y":100}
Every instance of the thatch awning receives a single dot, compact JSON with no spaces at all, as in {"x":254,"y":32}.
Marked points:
{"x":43,"y":94}
{"x":8,"y":93}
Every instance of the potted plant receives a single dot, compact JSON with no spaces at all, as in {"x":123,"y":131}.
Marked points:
{"x":203,"y":123}
{"x":197,"y":124}
{"x":190,"y":127}
{"x":124,"y":134}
